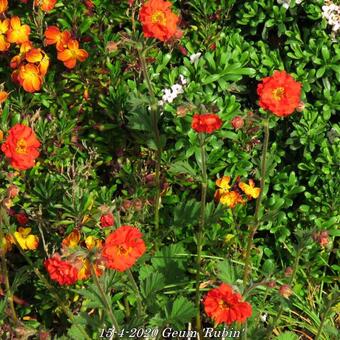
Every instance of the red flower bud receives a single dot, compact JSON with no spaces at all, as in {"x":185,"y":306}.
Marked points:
{"x":22,"y":218}
{"x":237,"y":122}
{"x":288,"y":271}
{"x":107,"y":220}
{"x":12,"y":191}
{"x":285,"y":291}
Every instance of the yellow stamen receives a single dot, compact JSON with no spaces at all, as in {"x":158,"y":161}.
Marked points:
{"x":278,"y":93}
{"x":158,"y":18}
{"x":21,"y":146}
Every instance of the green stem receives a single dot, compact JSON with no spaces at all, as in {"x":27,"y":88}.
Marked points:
{"x":329,"y":305}
{"x":136,"y":289}
{"x":200,"y":229}
{"x":252,"y":231}
{"x":7,"y":285}
{"x":104,"y":298}
{"x":154,"y":118}
{"x":291,"y":280}
{"x":51,"y":289}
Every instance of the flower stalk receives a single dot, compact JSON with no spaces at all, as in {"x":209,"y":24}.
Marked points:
{"x":154,"y":119}
{"x":4,"y":272}
{"x":136,"y":290}
{"x":253,"y":228}
{"x":104,"y":298}
{"x":201,"y":227}
{"x":291,"y":280}
{"x":65,"y":309}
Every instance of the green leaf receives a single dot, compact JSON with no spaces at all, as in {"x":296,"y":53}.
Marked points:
{"x":287,"y":336}
{"x":183,"y":310}
{"x":182,"y":167}
{"x":226,"y":272}
{"x":152,"y":284}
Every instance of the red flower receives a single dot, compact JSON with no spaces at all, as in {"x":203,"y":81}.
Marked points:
{"x":21,"y":218}
{"x":107,"y":220}
{"x":279,"y":94}
{"x":123,"y":247}
{"x":61,"y":271}
{"x":21,"y":147}
{"x":158,"y":20}
{"x":225,"y":306}
{"x":207,"y":123}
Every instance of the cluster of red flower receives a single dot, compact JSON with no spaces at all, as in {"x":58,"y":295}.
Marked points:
{"x":121,"y":249}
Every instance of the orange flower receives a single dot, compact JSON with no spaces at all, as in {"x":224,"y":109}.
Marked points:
{"x":123,"y":247}
{"x":279,"y":94}
{"x":45,"y":5}
{"x":24,"y":48}
{"x":37,"y":55}
{"x":18,"y":33}
{"x":72,"y":240}
{"x":225,"y":306}
{"x":4,"y":44}
{"x":29,"y":78}
{"x":158,"y":20}
{"x":21,"y":147}
{"x":71,"y":54}
{"x":223,"y":184}
{"x":3,"y":6}
{"x":231,"y":198}
{"x":3,"y":96}
{"x":54,"y":36}
{"x":250,"y":190}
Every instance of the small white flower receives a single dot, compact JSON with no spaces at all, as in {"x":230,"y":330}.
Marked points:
{"x":177,"y":89}
{"x":195,"y":57}
{"x":182,"y":79}
{"x":263,"y":317}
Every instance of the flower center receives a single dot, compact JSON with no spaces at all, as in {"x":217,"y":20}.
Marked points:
{"x":158,"y":18}
{"x":122,"y":250}
{"x":278,"y":93}
{"x":21,"y":146}
{"x":224,"y":304}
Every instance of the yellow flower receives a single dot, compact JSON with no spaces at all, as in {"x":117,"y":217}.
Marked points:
{"x":93,"y":242}
{"x":231,"y":198}
{"x":5,"y":244}
{"x":84,"y":271}
{"x":250,"y":190}
{"x":223,"y":184}
{"x":72,"y":240}
{"x":26,"y":240}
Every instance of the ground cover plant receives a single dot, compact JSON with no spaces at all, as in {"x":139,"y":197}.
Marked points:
{"x":169,"y":169}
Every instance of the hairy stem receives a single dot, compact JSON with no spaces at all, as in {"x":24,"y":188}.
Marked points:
{"x":291,"y":280}
{"x":4,"y":272}
{"x":136,"y":289}
{"x":201,"y":229}
{"x":252,"y":231}
{"x":154,"y":118}
{"x":65,"y":309}
{"x":107,"y":304}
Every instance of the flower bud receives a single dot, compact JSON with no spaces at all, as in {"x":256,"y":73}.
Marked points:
{"x":22,"y":218}
{"x":107,"y":220}
{"x":285,"y":291}
{"x":237,"y":122}
{"x":12,"y":191}
{"x":300,"y":107}
{"x":288,"y":271}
